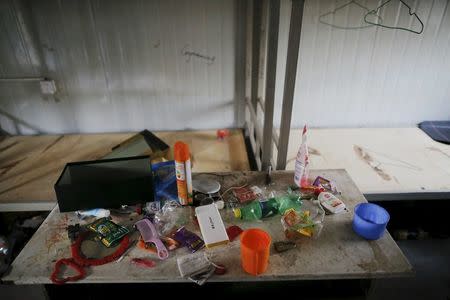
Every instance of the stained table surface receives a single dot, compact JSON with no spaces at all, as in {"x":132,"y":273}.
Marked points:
{"x":338,"y":253}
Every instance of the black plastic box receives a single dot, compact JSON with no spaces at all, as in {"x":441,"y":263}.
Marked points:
{"x":107,"y":183}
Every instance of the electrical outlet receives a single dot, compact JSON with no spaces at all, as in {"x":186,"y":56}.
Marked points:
{"x":48,"y":87}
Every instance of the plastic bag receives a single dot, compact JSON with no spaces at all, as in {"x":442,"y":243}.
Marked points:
{"x":302,"y":162}
{"x":306,"y":222}
{"x":171,"y":217}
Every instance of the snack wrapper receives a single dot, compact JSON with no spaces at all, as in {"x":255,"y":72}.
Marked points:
{"x":110,"y":233}
{"x":189,"y":239}
{"x":306,"y":222}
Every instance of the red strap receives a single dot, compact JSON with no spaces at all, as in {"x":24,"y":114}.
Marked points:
{"x":78,"y":261}
{"x":83,"y":261}
{"x":70,"y":263}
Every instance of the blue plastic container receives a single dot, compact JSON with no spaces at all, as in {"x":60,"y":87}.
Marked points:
{"x":370,"y":220}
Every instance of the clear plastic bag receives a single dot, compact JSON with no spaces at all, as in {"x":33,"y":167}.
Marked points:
{"x":171,"y":217}
{"x":306,"y":222}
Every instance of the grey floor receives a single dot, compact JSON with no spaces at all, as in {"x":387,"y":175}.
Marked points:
{"x":431,"y":261}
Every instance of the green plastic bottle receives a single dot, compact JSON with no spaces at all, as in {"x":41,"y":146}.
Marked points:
{"x":249,"y":212}
{"x":256,"y":210}
{"x":269,"y":207}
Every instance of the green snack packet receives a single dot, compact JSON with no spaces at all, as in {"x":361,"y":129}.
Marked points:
{"x":109,"y":232}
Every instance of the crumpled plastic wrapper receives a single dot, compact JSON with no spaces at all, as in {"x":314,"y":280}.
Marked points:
{"x":4,"y":246}
{"x":306,"y":222}
{"x":171,"y":217}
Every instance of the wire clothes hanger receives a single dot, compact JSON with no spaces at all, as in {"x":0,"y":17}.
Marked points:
{"x":366,"y":9}
{"x":374,"y":12}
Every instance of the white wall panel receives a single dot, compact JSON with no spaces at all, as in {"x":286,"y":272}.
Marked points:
{"x":120,"y":65}
{"x":373,"y":77}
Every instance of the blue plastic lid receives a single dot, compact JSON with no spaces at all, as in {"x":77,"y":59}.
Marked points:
{"x":372,"y":213}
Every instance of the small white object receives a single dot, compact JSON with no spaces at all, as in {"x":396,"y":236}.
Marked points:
{"x":48,"y":87}
{"x":96,"y":212}
{"x":219,"y":204}
{"x":193,"y":264}
{"x":211,"y":225}
{"x":256,"y":189}
{"x":330,"y":203}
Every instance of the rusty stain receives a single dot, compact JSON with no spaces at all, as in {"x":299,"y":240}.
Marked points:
{"x":314,"y":151}
{"x":378,"y":252}
{"x":361,"y":154}
{"x":8,"y":167}
{"x":368,"y":159}
{"x":342,"y":250}
{"x":396,"y":180}
{"x":393,"y":160}
{"x":382,"y":174}
{"x":55,"y":237}
{"x":57,"y":232}
{"x":438,"y":150}
{"x":53,"y":143}
{"x":379,"y":261}
{"x":9,"y":146}
{"x":28,"y":181}
{"x":368,"y":266}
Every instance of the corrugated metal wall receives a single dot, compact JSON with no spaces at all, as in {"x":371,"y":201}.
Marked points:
{"x":120,"y":65}
{"x":374,"y":76}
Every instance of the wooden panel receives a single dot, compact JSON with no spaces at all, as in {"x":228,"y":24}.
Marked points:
{"x":30,"y":165}
{"x":338,"y":253}
{"x":381,"y":160}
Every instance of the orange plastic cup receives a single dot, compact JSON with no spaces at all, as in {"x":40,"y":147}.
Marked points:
{"x":255,"y":250}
